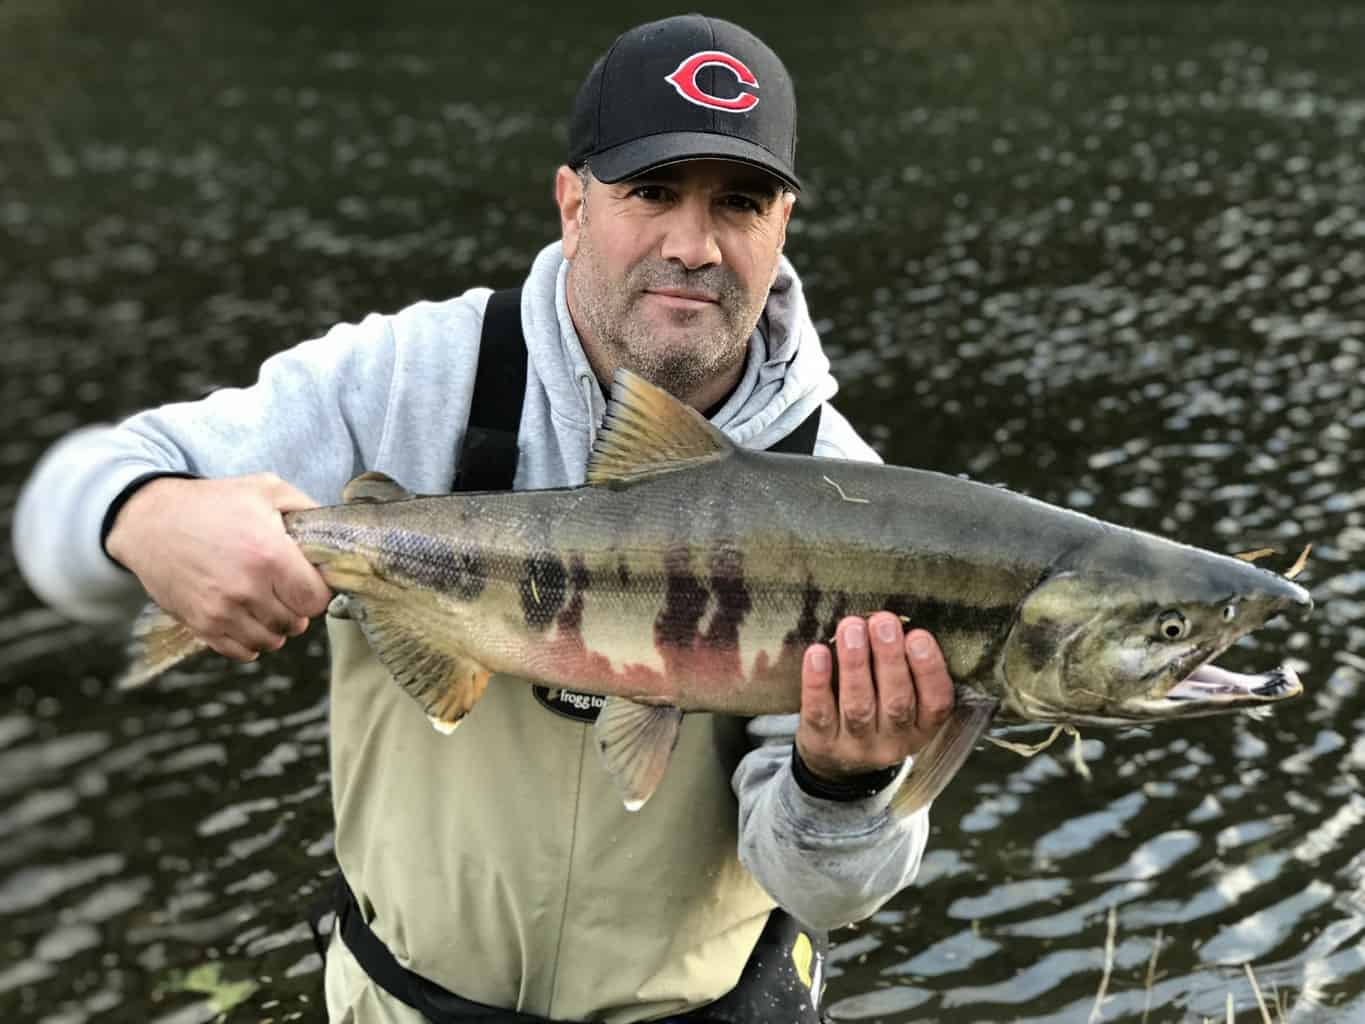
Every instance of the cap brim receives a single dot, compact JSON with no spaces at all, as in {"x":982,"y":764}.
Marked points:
{"x":639,"y":155}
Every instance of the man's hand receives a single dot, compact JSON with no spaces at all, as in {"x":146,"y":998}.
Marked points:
{"x":892,"y":697}
{"x":214,"y":553}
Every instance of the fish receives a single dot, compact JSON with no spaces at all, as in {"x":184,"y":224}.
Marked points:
{"x":689,"y":575}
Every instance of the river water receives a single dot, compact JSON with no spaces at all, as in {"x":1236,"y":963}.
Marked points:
{"x":1112,"y":255}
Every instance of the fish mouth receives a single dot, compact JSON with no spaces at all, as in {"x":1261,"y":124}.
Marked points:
{"x":1208,"y":689}
{"x":1214,"y":686}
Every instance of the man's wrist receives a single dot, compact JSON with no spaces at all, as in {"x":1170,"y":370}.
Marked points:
{"x":846,"y":789}
{"x":121,"y":499}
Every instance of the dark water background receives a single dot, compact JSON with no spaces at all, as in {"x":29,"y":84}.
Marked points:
{"x":1109,"y":254}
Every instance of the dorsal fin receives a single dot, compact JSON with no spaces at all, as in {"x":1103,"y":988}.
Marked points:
{"x":647,"y":431}
{"x":372,"y":486}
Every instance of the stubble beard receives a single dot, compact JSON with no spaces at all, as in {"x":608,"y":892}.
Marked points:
{"x":625,"y":338}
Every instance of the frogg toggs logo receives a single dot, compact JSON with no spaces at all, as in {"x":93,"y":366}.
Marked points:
{"x":582,"y":707}
{"x":684,"y":79}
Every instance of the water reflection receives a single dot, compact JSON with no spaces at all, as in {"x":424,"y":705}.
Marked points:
{"x":1110,"y":255}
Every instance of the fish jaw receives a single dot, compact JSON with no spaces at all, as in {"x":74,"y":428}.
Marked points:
{"x":1213,"y":690}
{"x":1207,"y":690}
{"x":1195,"y":687}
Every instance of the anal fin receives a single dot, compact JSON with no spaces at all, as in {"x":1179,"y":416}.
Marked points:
{"x":945,"y":755}
{"x":636,"y":742}
{"x":444,"y":681}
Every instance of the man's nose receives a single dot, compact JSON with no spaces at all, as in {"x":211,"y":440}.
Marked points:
{"x":691,"y":237}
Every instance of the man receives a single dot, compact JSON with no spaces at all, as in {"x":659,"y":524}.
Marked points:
{"x":497,"y":868}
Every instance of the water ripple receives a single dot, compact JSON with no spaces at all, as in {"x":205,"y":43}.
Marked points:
{"x":1109,"y":255}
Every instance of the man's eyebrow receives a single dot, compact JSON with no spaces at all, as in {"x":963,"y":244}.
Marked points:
{"x":752,"y":182}
{"x":758,"y":184}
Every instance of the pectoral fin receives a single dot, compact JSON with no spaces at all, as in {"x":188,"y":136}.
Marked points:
{"x":444,"y":680}
{"x":945,"y":755}
{"x":636,"y":741}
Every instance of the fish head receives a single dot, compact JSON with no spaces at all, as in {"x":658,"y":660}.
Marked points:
{"x":1128,"y":630}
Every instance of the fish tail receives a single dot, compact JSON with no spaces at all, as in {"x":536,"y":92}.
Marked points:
{"x":159,"y":642}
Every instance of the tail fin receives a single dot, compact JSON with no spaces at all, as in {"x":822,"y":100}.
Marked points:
{"x":159,"y":642}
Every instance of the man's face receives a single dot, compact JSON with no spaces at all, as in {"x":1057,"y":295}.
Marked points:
{"x":669,"y":271}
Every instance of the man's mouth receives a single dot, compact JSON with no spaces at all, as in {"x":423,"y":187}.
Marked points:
{"x":683,"y":298}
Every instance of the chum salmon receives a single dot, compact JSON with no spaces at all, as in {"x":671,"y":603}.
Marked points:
{"x":688,"y":574}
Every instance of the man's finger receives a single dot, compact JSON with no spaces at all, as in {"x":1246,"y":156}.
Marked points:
{"x":255,"y":635}
{"x":230,"y":648}
{"x":857,"y":695}
{"x":895,"y":688}
{"x":285,"y":496}
{"x":818,"y":711}
{"x":298,"y":583}
{"x":272,"y":614}
{"x":933,"y":684}
{"x":300,"y":587}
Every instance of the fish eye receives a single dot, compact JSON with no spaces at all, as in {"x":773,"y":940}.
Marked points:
{"x":1229,"y":612}
{"x":1173,"y":626}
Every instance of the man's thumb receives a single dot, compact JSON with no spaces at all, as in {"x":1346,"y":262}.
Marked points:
{"x":286,"y":497}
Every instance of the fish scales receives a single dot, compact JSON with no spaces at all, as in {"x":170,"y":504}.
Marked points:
{"x":673,"y":597}
{"x":719,"y":595}
{"x":810,"y":558}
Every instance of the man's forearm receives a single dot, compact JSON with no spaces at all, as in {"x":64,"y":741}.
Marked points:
{"x":301,"y":420}
{"x":827,"y":862}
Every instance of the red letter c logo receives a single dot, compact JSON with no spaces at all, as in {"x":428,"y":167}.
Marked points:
{"x":684,"y":79}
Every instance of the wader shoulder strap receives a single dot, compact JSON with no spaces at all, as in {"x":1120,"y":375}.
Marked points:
{"x":488,"y":460}
{"x":801,"y":441}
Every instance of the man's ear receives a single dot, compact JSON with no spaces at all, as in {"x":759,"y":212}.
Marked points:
{"x":569,"y":199}
{"x":788,"y":201}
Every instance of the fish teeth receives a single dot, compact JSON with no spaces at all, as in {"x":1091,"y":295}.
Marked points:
{"x":1276,"y":685}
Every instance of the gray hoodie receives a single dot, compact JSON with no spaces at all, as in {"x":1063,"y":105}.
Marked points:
{"x":392,"y":393}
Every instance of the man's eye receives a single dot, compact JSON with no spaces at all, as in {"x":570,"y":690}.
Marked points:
{"x":649,"y":193}
{"x":745,"y":203}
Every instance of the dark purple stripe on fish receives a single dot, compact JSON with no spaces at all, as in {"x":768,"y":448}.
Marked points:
{"x":807,"y":629}
{"x":732,"y":598}
{"x":685,"y":601}
{"x":571,"y":618}
{"x":543,"y":588}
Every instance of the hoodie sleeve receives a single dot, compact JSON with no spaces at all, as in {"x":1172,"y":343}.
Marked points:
{"x":314,"y":416}
{"x":826,"y":862}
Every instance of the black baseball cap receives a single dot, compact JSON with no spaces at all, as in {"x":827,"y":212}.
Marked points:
{"x":685,"y":88}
